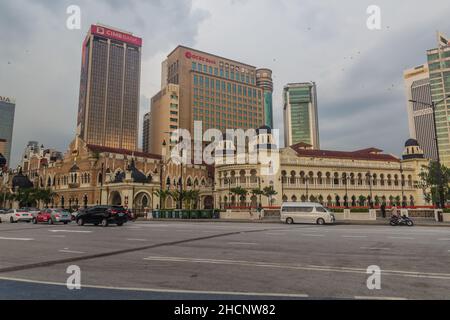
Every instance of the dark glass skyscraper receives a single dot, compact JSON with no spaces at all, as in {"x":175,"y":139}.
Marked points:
{"x":108,"y":113}
{"x":7,"y":110}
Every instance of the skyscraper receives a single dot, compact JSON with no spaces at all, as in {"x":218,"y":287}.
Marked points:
{"x":108,"y":113}
{"x":264,"y":80}
{"x":420,"y":115}
{"x":439,"y":68}
{"x":220,"y":92}
{"x":7,"y":111}
{"x":300,"y":114}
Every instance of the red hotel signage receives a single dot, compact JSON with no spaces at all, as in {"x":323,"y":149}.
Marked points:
{"x":116,"y":35}
{"x":197,"y":57}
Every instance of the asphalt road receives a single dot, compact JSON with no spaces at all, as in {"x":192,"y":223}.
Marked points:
{"x":188,"y":260}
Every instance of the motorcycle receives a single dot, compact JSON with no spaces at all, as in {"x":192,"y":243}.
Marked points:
{"x":402,"y":221}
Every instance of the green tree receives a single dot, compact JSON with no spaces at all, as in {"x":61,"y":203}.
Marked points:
{"x":429,"y":180}
{"x":44,"y":195}
{"x":162,"y":195}
{"x":240,"y":192}
{"x":269,"y":192}
{"x":362,"y":200}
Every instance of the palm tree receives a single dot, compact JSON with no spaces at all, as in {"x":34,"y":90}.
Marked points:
{"x":162,"y":195}
{"x":257,"y":192}
{"x":269,"y":192}
{"x":44,"y":195}
{"x":240,"y":192}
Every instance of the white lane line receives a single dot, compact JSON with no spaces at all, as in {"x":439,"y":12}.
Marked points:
{"x":243,"y":243}
{"x":137,"y":239}
{"x":71,"y":231}
{"x":378,"y":298}
{"x":444,"y":239}
{"x":70,"y":251}
{"x":396,"y":273}
{"x":354,"y":236}
{"x":233,"y":293}
{"x":60,"y":236}
{"x":16,"y":239}
{"x":401,"y":238}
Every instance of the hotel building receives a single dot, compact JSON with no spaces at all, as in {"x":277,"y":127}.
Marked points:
{"x":420,"y":115}
{"x":439,"y":69}
{"x":108,"y":113}
{"x":300,"y":114}
{"x":7,"y":111}
{"x":220,"y":92}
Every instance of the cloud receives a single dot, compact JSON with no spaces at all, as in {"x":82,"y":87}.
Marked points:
{"x":358,"y":72}
{"x":44,"y":57}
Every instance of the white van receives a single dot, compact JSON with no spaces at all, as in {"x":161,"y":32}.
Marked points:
{"x":306,"y":212}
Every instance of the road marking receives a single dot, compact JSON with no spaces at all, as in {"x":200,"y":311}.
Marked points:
{"x":354,"y":236}
{"x":71,"y":231}
{"x":58,"y":236}
{"x":368,"y":248}
{"x":243,"y":243}
{"x":137,"y":239}
{"x":312,"y":235}
{"x":397,"y":273}
{"x":233,"y":293}
{"x":70,"y":251}
{"x":17,"y":239}
{"x":444,"y":239}
{"x":378,"y":298}
{"x":403,"y":238}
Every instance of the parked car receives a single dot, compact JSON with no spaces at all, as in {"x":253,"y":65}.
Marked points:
{"x":52,"y":216}
{"x":31,"y":210}
{"x":306,"y":212}
{"x":75,"y":214}
{"x":103,"y":215}
{"x":16,"y":215}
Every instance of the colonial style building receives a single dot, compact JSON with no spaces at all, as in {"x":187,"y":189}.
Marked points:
{"x":334,"y":178}
{"x":91,"y":175}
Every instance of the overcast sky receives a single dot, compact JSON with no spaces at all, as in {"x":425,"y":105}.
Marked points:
{"x":358,"y":72}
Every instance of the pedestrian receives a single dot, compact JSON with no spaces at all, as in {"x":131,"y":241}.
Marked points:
{"x":383,"y":210}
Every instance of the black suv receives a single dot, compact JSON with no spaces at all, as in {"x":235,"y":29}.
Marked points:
{"x":103,"y":215}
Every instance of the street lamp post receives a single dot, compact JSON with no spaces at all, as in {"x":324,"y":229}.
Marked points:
{"x":402,"y":184}
{"x":347,"y":178}
{"x":369,"y":176}
{"x":438,"y":158}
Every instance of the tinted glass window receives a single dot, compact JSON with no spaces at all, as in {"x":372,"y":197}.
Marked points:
{"x":320,"y":209}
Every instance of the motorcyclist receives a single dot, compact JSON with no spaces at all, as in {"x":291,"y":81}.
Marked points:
{"x":395,"y":212}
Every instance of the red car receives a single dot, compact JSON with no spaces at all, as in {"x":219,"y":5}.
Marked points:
{"x":52,"y":216}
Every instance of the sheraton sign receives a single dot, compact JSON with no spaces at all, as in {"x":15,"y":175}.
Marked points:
{"x":116,"y":35}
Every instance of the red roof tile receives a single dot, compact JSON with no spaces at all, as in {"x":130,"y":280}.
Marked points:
{"x":370,"y":154}
{"x":96,"y":148}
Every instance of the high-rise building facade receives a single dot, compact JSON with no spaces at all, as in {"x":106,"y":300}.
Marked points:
{"x":420,"y":114}
{"x":165,"y":112}
{"x":108,"y":113}
{"x":264,"y":80}
{"x":301,"y":122}
{"x":7,"y":112}
{"x":439,"y":69}
{"x":146,"y":133}
{"x":219,"y":92}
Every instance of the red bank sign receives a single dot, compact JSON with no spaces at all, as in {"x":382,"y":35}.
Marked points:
{"x":116,"y":35}
{"x":197,"y":57}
